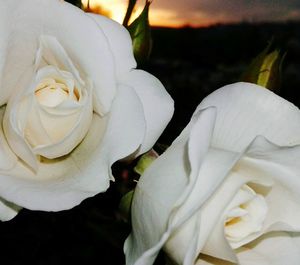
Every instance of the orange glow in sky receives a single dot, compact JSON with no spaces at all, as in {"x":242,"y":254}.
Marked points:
{"x":116,"y":10}
{"x":176,"y":13}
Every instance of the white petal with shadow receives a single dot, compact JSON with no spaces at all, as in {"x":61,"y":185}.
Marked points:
{"x":119,"y":41}
{"x":173,"y":167}
{"x":63,"y":183}
{"x":8,"y":210}
{"x":276,"y":248}
{"x":156,"y":103}
{"x":248,"y":111}
{"x":85,"y":44}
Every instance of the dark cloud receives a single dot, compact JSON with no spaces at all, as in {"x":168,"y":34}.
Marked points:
{"x":254,"y":10}
{"x":231,"y":10}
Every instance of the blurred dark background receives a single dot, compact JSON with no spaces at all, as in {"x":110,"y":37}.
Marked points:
{"x":191,"y":63}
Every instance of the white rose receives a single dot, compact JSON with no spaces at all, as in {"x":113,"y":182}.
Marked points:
{"x":71,"y":104}
{"x":227,"y":190}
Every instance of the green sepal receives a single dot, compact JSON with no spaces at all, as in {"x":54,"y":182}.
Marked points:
{"x":145,"y":161}
{"x":125,"y":206}
{"x":140,"y":33}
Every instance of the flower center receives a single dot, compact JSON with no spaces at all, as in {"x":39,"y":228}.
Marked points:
{"x":51,"y":92}
{"x":244,"y":221}
{"x":59,"y":104}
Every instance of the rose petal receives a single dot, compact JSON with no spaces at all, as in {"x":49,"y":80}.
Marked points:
{"x":4,"y":25}
{"x":270,"y":249}
{"x":52,"y":53}
{"x":275,"y":248}
{"x":171,"y":170}
{"x":156,"y":102}
{"x":119,"y":41}
{"x":211,"y":239}
{"x":145,"y":233}
{"x":77,"y":33}
{"x":208,"y":260}
{"x":147,"y":86}
{"x":7,"y":158}
{"x":205,"y":235}
{"x":281,"y":164}
{"x":32,"y":126}
{"x":250,"y":110}
{"x":12,"y":124}
{"x":77,"y":125}
{"x":60,"y":184}
{"x":8,"y":210}
{"x":65,"y":145}
{"x":262,"y":163}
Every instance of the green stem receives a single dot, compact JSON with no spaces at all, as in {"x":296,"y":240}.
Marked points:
{"x":131,"y":5}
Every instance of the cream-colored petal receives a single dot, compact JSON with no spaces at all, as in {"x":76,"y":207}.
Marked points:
{"x":275,"y":248}
{"x":148,"y":88}
{"x":65,"y":132}
{"x":13,"y":125}
{"x":208,"y":260}
{"x":166,"y":183}
{"x":5,"y":33}
{"x":276,"y":169}
{"x":120,"y":43}
{"x":157,"y":103}
{"x":32,"y":128}
{"x":7,"y":158}
{"x":52,"y":53}
{"x":206,"y":235}
{"x":63,"y":183}
{"x":250,"y":110}
{"x":281,"y":164}
{"x":8,"y":210}
{"x":81,"y":38}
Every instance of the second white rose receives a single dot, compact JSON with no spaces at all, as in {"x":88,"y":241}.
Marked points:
{"x":227,"y":190}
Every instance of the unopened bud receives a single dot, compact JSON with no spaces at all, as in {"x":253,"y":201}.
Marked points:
{"x":265,"y":70}
{"x":140,"y":33}
{"x":145,"y":161}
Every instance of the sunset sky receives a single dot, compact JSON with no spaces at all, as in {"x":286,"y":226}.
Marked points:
{"x":206,"y":12}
